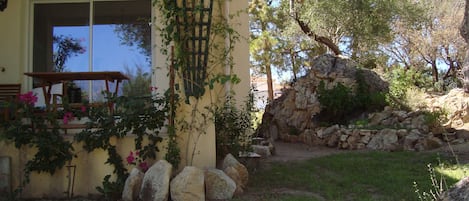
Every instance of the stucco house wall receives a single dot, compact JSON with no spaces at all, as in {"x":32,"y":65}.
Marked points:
{"x":15,"y":59}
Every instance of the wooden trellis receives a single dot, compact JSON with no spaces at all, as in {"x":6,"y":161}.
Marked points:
{"x":193,"y":25}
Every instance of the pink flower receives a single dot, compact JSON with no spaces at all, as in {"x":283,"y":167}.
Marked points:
{"x":130,"y":158}
{"x":83,"y":108}
{"x":143,"y":166}
{"x":28,"y":98}
{"x":134,"y":159}
{"x":67,"y":117}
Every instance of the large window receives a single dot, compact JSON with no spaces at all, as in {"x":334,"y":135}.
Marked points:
{"x":94,"y":35}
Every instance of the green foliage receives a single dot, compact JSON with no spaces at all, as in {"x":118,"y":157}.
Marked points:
{"x":232,"y":128}
{"x":33,"y":128}
{"x":143,"y":117}
{"x":435,"y":118}
{"x":400,"y":81}
{"x":112,"y":190}
{"x":173,"y":153}
{"x":339,"y":102}
{"x":139,"y":83}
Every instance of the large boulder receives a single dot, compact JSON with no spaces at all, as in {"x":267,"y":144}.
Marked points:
{"x":188,"y":185}
{"x":233,"y":174}
{"x":230,"y":161}
{"x":132,"y":185}
{"x":218,"y":185}
{"x":155,"y":186}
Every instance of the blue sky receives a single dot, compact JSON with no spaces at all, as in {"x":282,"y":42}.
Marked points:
{"x":109,"y":53}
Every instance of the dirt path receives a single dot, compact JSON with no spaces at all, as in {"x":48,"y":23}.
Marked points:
{"x":285,"y":152}
{"x":459,"y":151}
{"x":295,"y":151}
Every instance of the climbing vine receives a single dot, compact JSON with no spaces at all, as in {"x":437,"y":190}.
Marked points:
{"x":177,"y":32}
{"x":33,"y":128}
{"x":142,"y":117}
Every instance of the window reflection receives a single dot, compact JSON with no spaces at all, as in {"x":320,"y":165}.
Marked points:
{"x":120,"y":39}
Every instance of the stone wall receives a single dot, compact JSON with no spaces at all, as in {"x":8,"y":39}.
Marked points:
{"x":290,"y":117}
{"x":388,"y":130}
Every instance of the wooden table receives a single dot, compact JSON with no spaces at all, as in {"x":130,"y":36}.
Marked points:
{"x":47,"y":79}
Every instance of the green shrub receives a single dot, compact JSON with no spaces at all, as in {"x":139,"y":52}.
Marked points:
{"x":435,"y":118}
{"x":335,"y":102}
{"x":233,"y":129}
{"x":340,"y":102}
{"x":400,"y":82}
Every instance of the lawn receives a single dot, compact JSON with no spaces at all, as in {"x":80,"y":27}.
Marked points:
{"x":377,"y":176}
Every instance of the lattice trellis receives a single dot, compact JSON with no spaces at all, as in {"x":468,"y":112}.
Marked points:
{"x":193,"y":24}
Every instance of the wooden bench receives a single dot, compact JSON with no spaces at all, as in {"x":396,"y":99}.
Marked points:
{"x":8,"y":93}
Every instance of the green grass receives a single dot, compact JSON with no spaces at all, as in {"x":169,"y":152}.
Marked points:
{"x":377,"y":176}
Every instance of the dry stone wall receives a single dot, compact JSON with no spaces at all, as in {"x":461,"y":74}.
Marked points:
{"x":394,"y":130}
{"x":291,"y":117}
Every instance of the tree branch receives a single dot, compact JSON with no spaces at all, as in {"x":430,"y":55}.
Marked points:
{"x":321,"y":39}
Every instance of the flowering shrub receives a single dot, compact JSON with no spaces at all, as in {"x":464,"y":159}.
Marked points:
{"x":134,"y":159}
{"x":141,"y":117}
{"x":31,"y":128}
{"x":28,"y":98}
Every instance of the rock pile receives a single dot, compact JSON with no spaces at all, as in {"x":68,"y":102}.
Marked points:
{"x":388,"y":130}
{"x":191,"y":184}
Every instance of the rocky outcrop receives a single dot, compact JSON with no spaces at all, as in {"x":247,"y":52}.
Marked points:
{"x":188,"y":185}
{"x":293,"y":116}
{"x":155,"y":186}
{"x":299,"y":105}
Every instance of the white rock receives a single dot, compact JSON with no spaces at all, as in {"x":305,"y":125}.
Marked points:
{"x":155,"y":186}
{"x":230,"y":161}
{"x":218,"y":185}
{"x":188,"y":185}
{"x":264,"y":151}
{"x":132,"y":185}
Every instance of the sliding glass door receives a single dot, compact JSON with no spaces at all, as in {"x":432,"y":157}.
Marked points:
{"x":94,"y":35}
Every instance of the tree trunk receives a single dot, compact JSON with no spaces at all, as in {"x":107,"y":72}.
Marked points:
{"x":268,"y":71}
{"x":435,"y":72}
{"x":270,"y":90}
{"x":465,"y":34}
{"x":293,"y":64}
